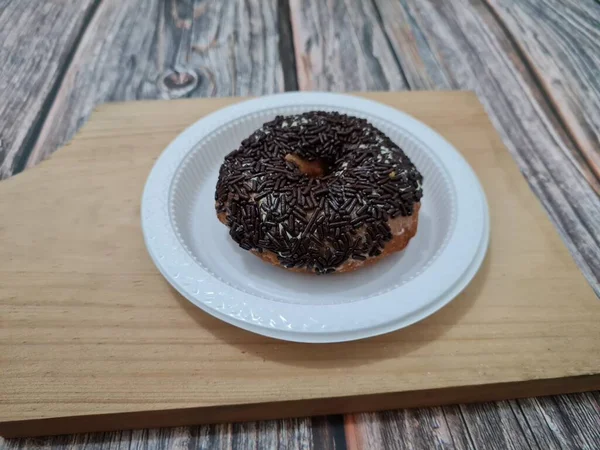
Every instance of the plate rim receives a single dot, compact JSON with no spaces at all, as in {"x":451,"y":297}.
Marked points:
{"x":173,"y":155}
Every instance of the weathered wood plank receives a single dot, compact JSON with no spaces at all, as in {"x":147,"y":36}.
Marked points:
{"x":496,"y":426}
{"x":405,"y":429}
{"x":561,"y":42}
{"x":35,"y":43}
{"x":146,"y":49}
{"x":293,"y":434}
{"x":425,"y":70}
{"x":500,"y":425}
{"x":341,"y":47}
{"x":458,"y":428}
{"x":564,"y":422}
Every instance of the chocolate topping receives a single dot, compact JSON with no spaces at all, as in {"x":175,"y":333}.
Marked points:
{"x":319,"y":217}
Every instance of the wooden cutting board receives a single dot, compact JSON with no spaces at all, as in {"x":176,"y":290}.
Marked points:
{"x":93,"y":338}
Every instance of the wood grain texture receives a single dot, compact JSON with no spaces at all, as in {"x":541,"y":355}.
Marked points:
{"x":35,"y":44}
{"x":568,"y":421}
{"x":148,"y":49}
{"x":404,"y":429}
{"x":108,"y":335}
{"x":494,"y":425}
{"x":424,"y":63}
{"x":341,"y":47}
{"x":292,"y":434}
{"x":560,"y":41}
{"x":562,"y":422}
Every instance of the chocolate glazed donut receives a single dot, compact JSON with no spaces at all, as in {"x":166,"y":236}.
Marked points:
{"x":319,"y":192}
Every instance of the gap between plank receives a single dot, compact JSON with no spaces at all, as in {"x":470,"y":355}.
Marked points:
{"x":328,"y":432}
{"x":287,"y":50}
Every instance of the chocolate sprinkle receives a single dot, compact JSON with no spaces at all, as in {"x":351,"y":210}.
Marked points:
{"x":318,"y":223}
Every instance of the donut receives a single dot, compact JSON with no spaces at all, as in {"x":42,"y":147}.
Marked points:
{"x":319,"y":192}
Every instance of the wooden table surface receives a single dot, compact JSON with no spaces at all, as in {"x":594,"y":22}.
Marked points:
{"x":535,"y":65}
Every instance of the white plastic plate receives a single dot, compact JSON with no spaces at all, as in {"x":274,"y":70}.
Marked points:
{"x":194,"y":252}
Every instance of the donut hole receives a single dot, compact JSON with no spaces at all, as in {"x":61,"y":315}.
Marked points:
{"x":314,"y":168}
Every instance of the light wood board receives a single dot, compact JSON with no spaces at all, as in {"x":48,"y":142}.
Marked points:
{"x":92,"y":337}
